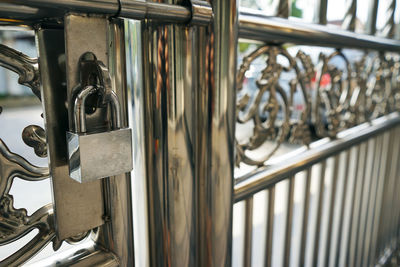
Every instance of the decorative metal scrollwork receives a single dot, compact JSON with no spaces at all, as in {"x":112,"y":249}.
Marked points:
{"x":24,"y":66}
{"x":16,"y":223}
{"x":333,"y":98}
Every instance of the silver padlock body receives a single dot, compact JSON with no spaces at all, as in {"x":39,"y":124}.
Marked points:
{"x":99,"y":155}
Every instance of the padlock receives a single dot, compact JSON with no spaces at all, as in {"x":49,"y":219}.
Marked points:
{"x":98,"y":155}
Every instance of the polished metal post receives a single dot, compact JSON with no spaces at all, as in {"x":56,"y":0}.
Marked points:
{"x":169,"y":82}
{"x":216,"y":201}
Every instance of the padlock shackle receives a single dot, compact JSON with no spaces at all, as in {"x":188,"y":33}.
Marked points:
{"x":79,"y":108}
{"x":112,"y":98}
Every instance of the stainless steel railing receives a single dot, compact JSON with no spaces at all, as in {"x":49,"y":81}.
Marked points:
{"x":332,"y":202}
{"x":352,"y":211}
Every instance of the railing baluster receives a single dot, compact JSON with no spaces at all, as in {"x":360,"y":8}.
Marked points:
{"x":248,"y":232}
{"x":388,"y":234}
{"x":289,"y":222}
{"x":370,"y":27}
{"x":379,"y":207}
{"x":371,"y":199}
{"x":342,"y":206}
{"x":364,"y":204}
{"x":349,"y":20}
{"x":270,"y":227}
{"x":354,"y":178}
{"x":359,"y":189}
{"x":396,"y":224}
{"x":334,"y":182}
{"x":319,"y":214}
{"x":306,"y":208}
{"x":320,"y":12}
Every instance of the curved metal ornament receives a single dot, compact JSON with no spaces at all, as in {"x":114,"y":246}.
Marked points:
{"x":24,"y":66}
{"x":15,"y":223}
{"x":359,"y":92}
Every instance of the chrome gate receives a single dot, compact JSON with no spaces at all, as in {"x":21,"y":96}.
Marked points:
{"x":258,"y":139}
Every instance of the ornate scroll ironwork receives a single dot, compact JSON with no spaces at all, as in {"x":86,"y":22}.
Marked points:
{"x":334,"y":98}
{"x":16,"y":223}
{"x":24,"y":66}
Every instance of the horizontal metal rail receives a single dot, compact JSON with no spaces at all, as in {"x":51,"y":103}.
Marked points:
{"x":252,"y":24}
{"x":256,"y":26}
{"x":269,"y":176}
{"x":28,"y":10}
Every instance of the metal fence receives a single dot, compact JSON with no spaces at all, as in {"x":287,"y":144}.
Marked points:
{"x":284,"y":155}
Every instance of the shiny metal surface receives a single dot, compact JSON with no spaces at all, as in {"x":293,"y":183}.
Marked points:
{"x":222,"y":130}
{"x":117,"y":235}
{"x":256,"y":26}
{"x":99,"y":155}
{"x":169,"y":82}
{"x":139,"y":181}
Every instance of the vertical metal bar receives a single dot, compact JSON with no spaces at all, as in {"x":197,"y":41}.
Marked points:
{"x":389,"y":236}
{"x":354,"y":181}
{"x":319,"y":214}
{"x":117,"y":234}
{"x":218,"y":110}
{"x":371,"y":199}
{"x":393,"y":233}
{"x":342,"y":206}
{"x":379,"y":207}
{"x":388,"y":29}
{"x":356,"y":206}
{"x":370,"y":27}
{"x":289,"y":222}
{"x":320,"y":12}
{"x":306,"y":212}
{"x":248,"y":232}
{"x":349,"y":20}
{"x":139,"y":182}
{"x":331,"y":208}
{"x":270,"y":226}
{"x":169,"y":82}
{"x":372,"y":146}
{"x":202,"y":145}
